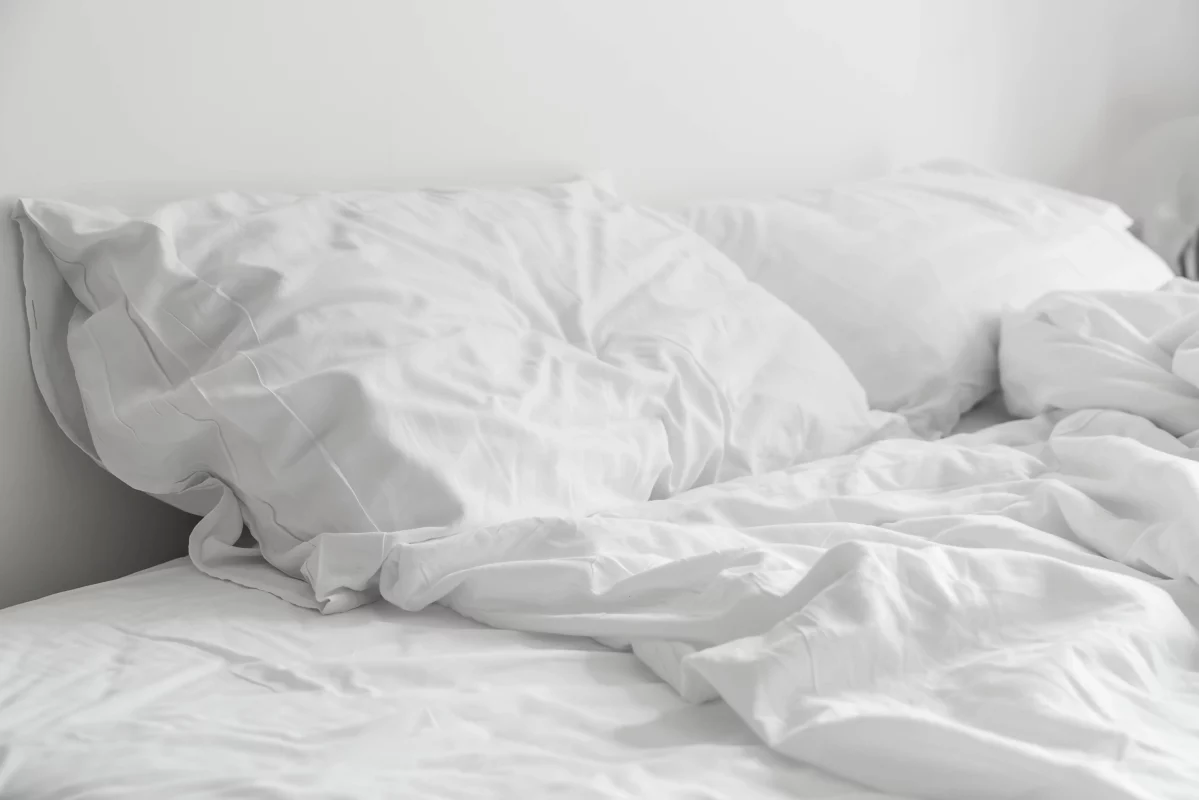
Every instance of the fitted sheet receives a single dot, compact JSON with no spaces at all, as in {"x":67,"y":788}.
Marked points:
{"x":169,"y":683}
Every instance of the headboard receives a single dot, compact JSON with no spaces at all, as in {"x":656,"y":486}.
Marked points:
{"x":133,"y":100}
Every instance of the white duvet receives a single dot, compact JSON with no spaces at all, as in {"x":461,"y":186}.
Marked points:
{"x":997,"y":615}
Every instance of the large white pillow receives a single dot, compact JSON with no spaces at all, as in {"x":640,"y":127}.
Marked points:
{"x":378,"y":362}
{"x":907,"y":275}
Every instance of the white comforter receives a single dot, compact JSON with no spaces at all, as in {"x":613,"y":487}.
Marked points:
{"x":1000,"y":614}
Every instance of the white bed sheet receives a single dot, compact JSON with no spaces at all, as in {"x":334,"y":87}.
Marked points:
{"x":172,"y":684}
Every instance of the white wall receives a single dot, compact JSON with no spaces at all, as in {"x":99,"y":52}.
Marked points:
{"x":1052,"y":89}
{"x":678,"y":97}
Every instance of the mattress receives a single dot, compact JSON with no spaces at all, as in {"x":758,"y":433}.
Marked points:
{"x":168,"y":683}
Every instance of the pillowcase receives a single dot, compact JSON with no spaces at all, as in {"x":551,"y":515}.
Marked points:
{"x":370,"y":363}
{"x":907,"y":275}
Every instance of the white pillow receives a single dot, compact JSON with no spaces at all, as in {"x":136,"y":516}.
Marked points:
{"x":908,"y":275}
{"x":378,"y":362}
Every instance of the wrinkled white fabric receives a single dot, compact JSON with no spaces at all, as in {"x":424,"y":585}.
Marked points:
{"x":928,"y":618}
{"x":381,"y":361}
{"x":1134,"y":351}
{"x":1005,"y":614}
{"x":168,"y":685}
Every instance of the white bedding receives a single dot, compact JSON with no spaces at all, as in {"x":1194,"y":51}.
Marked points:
{"x":1003,"y":614}
{"x":927,"y":618}
{"x":169,"y":684}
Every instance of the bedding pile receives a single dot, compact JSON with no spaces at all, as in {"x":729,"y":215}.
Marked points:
{"x":998,"y":614}
{"x":552,"y":411}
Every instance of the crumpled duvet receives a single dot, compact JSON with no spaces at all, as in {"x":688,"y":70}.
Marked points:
{"x":1009,"y":613}
{"x":932,"y":619}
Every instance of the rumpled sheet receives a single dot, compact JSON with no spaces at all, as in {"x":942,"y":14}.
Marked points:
{"x":1010,"y":613}
{"x":169,"y":685}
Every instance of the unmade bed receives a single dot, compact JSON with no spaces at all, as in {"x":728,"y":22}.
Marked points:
{"x":170,"y":683}
{"x":616,"y":400}
{"x":550,"y":492}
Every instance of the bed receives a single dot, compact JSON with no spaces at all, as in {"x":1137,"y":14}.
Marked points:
{"x":547,"y":488}
{"x":170,"y":683}
{"x":454,"y":436}
{"x":817,"y":607}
